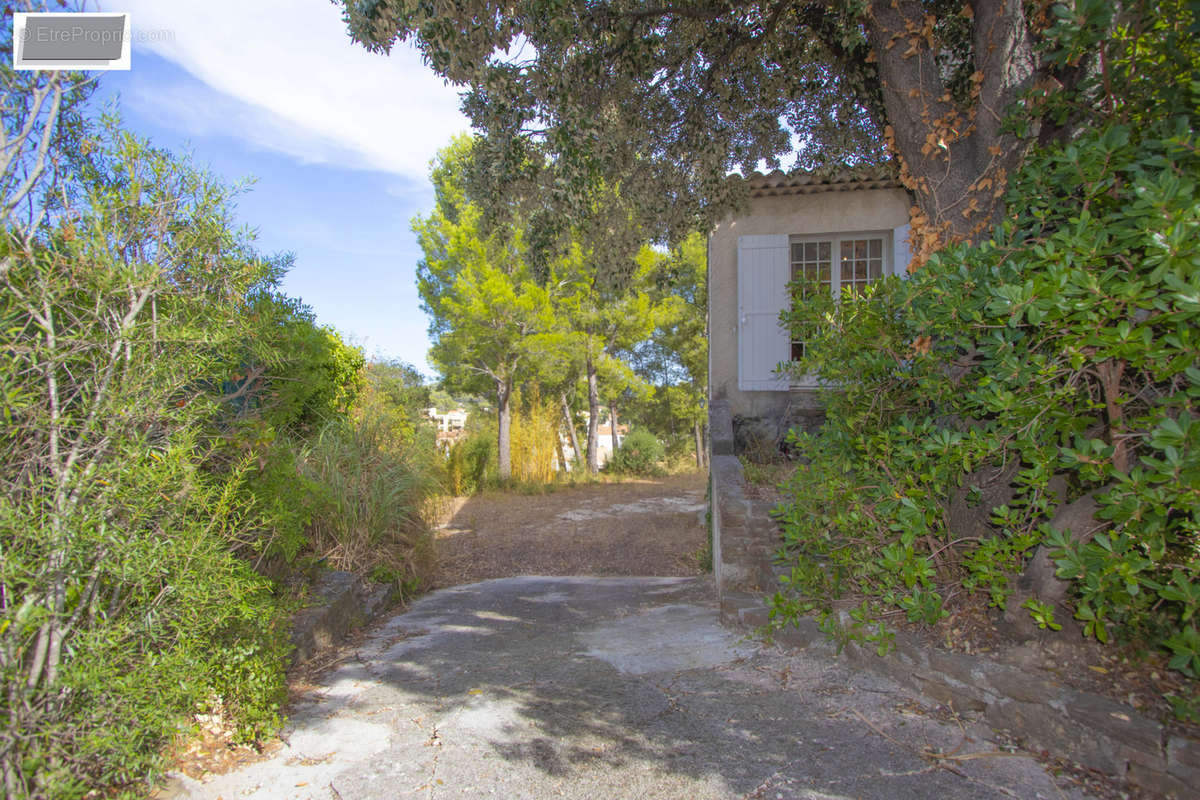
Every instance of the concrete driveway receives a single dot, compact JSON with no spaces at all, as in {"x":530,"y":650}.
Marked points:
{"x":611,"y":688}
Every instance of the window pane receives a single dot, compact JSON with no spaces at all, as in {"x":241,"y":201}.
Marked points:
{"x":797,"y":351}
{"x":847,"y":269}
{"x":860,"y":248}
{"x":876,"y":268}
{"x":847,"y":248}
{"x":860,"y":270}
{"x":810,"y":262}
{"x":877,"y":248}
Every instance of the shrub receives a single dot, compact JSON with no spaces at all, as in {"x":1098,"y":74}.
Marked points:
{"x":375,"y":494}
{"x":639,"y":454}
{"x":1052,"y":370}
{"x":170,"y":623}
{"x":473,"y":463}
{"x":123,"y":607}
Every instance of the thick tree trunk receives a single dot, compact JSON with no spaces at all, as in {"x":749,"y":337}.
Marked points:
{"x":1040,"y":580}
{"x":593,"y":439}
{"x":953,"y":156}
{"x":569,"y":420}
{"x":504,"y":429}
{"x":699,"y":432}
{"x":616,"y":440}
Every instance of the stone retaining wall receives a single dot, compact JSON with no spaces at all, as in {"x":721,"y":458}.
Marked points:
{"x":1043,"y":714}
{"x":744,"y":537}
{"x":341,"y":603}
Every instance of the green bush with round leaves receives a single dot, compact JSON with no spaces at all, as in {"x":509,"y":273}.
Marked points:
{"x":640,"y":453}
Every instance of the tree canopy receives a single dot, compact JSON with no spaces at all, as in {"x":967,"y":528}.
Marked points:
{"x":489,"y":318}
{"x":501,"y":323}
{"x":666,"y":99}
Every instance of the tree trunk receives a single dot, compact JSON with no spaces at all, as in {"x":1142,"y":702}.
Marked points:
{"x":504,"y":429}
{"x":562,"y":457}
{"x":952,"y":153}
{"x":593,"y":462}
{"x":1039,"y":580}
{"x":696,"y":429}
{"x":570,"y":422}
{"x":616,"y":440}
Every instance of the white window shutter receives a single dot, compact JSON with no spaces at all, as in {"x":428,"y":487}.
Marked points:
{"x":763,"y":274}
{"x":901,"y":251}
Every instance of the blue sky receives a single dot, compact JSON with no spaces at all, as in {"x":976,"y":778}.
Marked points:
{"x":338,"y":140}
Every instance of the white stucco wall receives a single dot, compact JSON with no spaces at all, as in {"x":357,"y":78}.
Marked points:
{"x":842,"y":211}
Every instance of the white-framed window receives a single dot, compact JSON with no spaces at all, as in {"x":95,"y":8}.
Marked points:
{"x":836,"y":263}
{"x":767,"y":264}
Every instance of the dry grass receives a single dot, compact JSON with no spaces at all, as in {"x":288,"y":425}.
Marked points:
{"x":640,"y":527}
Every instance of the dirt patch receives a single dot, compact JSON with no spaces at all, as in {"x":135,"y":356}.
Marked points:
{"x":645,"y":527}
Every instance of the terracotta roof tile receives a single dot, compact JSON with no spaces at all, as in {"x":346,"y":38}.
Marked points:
{"x":833,"y":179}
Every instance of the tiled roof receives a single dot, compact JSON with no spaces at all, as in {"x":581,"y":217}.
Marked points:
{"x":839,"y":179}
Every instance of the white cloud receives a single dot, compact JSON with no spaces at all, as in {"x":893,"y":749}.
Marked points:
{"x":300,"y":85}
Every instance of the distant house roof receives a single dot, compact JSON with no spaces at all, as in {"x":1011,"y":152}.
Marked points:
{"x":832,"y":179}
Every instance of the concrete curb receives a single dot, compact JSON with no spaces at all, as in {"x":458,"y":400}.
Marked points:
{"x":1043,"y":714}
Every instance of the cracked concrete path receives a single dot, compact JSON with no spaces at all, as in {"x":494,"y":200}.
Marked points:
{"x":593,"y":688}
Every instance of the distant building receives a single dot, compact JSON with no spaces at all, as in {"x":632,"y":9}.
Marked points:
{"x":604,"y":449}
{"x":451,"y":427}
{"x":455,"y":420}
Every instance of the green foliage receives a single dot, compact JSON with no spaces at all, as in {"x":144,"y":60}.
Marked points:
{"x":673,"y":359}
{"x":124,"y":605}
{"x":665,"y":101}
{"x":1042,"y":614}
{"x":161,"y":406}
{"x":312,"y":375}
{"x":1058,"y":360}
{"x":292,"y":378}
{"x":487,"y":313}
{"x":471,"y":465}
{"x":588,"y":102}
{"x":171,"y":624}
{"x":491,"y":320}
{"x":500,"y":319}
{"x":374,"y":492}
{"x":640,"y":454}
{"x":285,"y":497}
{"x":397,"y":392}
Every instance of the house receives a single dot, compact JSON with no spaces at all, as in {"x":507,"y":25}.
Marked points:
{"x":604,"y":449}
{"x":839,"y":228}
{"x":455,"y":420}
{"x":451,"y":427}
